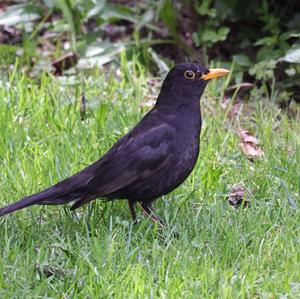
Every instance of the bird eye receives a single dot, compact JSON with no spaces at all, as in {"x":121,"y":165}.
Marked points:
{"x":189,"y":75}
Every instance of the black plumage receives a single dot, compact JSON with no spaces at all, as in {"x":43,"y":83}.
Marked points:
{"x":151,"y":160}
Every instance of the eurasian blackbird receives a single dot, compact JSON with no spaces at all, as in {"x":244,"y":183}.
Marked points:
{"x":151,"y":160}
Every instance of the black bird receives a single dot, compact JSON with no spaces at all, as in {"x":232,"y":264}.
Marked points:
{"x":151,"y":160}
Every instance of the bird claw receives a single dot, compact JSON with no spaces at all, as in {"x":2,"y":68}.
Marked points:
{"x":149,"y":212}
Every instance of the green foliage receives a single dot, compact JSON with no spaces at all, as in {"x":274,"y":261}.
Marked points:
{"x":209,"y":32}
{"x":258,"y":35}
{"x":260,"y":38}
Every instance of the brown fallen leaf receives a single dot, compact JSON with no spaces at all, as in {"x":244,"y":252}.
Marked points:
{"x":238,"y":196}
{"x":10,"y":35}
{"x":64,"y":62}
{"x":249,"y":144}
{"x":48,"y":271}
{"x":250,"y":150}
{"x":247,"y":137}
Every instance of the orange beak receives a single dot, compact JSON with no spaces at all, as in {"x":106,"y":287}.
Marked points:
{"x":215,"y":73}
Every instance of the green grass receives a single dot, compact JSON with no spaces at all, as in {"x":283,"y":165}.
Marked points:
{"x":219,"y":252}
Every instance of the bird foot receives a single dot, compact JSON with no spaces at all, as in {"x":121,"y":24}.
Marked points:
{"x":149,"y":212}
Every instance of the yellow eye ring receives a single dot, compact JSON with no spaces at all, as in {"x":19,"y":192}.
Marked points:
{"x":190,"y":75}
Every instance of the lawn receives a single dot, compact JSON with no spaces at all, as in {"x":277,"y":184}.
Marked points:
{"x":208,"y":249}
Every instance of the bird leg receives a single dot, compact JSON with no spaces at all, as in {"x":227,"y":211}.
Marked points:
{"x":149,"y":211}
{"x":132,"y":210}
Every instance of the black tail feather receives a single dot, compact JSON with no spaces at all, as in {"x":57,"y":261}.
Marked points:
{"x":50,"y":196}
{"x":24,"y":202}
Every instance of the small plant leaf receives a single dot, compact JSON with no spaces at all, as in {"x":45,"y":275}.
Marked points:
{"x":18,"y":14}
{"x":242,"y":60}
{"x":196,"y":242}
{"x":97,"y":9}
{"x":293,"y":55}
{"x":289,"y":196}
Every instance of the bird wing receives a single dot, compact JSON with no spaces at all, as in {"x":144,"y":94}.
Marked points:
{"x":134,"y":157}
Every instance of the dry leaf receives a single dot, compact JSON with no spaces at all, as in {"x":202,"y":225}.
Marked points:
{"x":64,"y":62}
{"x":249,"y":144}
{"x":251,"y":150}
{"x":247,"y":137}
{"x":48,"y":271}
{"x":238,"y":196}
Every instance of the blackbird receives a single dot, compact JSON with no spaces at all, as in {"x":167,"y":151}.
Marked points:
{"x":151,"y":160}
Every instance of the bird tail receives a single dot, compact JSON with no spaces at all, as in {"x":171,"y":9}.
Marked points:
{"x":51,"y":196}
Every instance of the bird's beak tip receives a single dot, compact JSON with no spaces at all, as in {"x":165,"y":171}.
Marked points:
{"x":215,"y":73}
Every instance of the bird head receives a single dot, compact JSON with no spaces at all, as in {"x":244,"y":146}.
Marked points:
{"x":186,"y":83}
